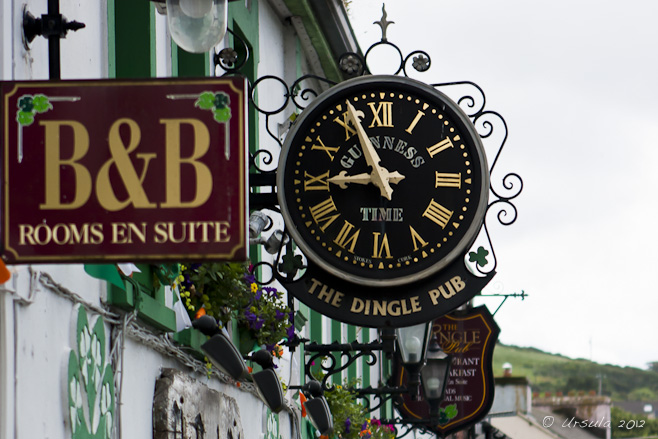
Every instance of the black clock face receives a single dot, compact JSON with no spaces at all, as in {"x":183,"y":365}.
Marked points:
{"x":383,"y":181}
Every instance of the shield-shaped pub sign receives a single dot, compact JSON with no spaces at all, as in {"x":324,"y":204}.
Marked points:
{"x":469,"y":337}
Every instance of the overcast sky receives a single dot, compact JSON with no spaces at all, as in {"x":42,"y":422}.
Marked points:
{"x":576,"y":82}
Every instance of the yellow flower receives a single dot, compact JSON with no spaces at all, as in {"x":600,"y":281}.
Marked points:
{"x":254,"y":288}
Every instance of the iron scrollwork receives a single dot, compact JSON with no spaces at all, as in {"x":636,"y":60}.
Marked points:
{"x":295,"y":97}
{"x":289,"y":262}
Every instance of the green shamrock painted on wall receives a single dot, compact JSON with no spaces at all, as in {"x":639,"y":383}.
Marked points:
{"x":480,"y":257}
{"x":217,"y":103}
{"x":29,"y":106}
{"x":90,"y":383}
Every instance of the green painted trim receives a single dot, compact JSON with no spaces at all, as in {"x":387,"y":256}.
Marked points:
{"x":149,"y":301}
{"x":193,"y":339}
{"x":329,"y":63}
{"x":174,"y":58}
{"x":315,"y":333}
{"x":111,"y":38}
{"x":154,"y":58}
{"x":336,"y":331}
{"x":247,"y":20}
{"x":351,"y":336}
{"x":365,"y":376}
{"x":300,"y":320}
{"x":149,"y":310}
{"x":337,"y":336}
{"x":132,"y":29}
{"x":156,"y":313}
{"x":190,"y":65}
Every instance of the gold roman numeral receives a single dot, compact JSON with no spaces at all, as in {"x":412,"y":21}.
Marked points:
{"x":413,"y":123}
{"x":324,"y":213}
{"x":323,"y":147}
{"x":417,"y":239}
{"x":448,"y":180}
{"x":319,"y":183}
{"x":345,"y":123}
{"x":441,"y":146}
{"x":378,"y":249}
{"x":437,"y":213}
{"x":382,"y":115}
{"x":346,"y":237}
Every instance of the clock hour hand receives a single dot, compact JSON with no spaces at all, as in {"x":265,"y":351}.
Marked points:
{"x":342,"y":179}
{"x":380,"y":175}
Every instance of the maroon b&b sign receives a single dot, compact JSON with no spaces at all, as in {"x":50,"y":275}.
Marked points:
{"x":470,"y":338}
{"x":114,"y":170}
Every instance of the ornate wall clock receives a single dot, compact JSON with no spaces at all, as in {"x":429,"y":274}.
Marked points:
{"x":383,"y":181}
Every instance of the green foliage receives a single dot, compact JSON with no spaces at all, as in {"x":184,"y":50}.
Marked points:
{"x":229,"y":291}
{"x":626,"y":424}
{"x":351,"y":420}
{"x":643,"y":394}
{"x":555,"y":373}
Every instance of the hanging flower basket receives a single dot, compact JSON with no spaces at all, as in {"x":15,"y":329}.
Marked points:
{"x":230,"y":292}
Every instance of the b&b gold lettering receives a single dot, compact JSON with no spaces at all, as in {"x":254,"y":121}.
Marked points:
{"x":121,"y":161}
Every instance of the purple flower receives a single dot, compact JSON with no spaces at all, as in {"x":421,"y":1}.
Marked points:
{"x":251,"y":317}
{"x":250,"y":278}
{"x":259,"y":294}
{"x":291,"y":316}
{"x":280,"y":315}
{"x":255,"y":322}
{"x":291,"y":332}
{"x":348,"y":424}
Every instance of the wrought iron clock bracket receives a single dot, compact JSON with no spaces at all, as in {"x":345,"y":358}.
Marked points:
{"x":490,"y":125}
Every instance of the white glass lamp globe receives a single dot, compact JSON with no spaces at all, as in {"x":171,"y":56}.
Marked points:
{"x":197,"y":25}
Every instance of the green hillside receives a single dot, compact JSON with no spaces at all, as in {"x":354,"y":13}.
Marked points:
{"x":555,"y":373}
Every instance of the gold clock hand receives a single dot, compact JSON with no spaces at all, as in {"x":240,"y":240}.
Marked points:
{"x":380,"y":175}
{"x":342,"y":179}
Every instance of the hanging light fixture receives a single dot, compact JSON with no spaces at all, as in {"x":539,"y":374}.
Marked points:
{"x":435,"y":377}
{"x":196,"y":25}
{"x":413,"y":341}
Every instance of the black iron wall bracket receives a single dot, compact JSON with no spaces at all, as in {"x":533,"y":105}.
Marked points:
{"x":48,"y":25}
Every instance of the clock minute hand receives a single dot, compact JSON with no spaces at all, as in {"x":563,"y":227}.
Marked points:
{"x":380,"y":175}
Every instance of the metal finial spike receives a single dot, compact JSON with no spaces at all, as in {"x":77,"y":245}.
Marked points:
{"x":383,"y":23}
